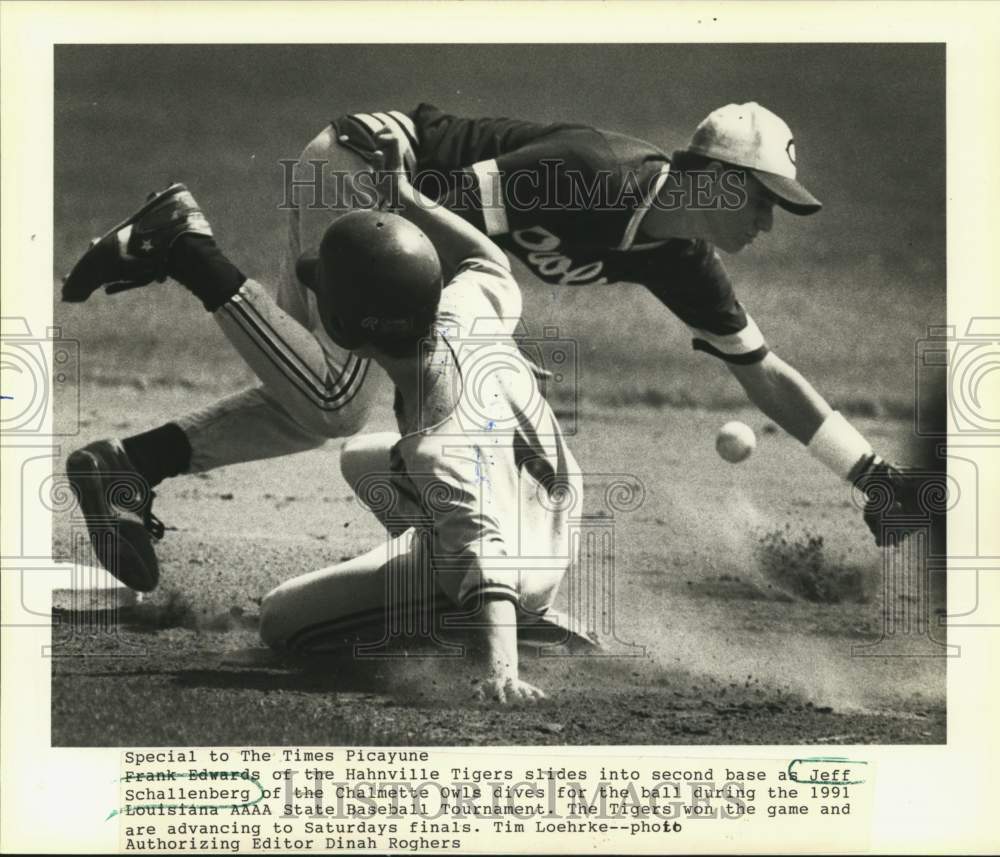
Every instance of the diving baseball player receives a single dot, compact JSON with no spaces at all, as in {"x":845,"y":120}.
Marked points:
{"x":577,"y":205}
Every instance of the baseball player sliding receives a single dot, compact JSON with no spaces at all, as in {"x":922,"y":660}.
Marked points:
{"x":578,"y":205}
{"x":479,"y":472}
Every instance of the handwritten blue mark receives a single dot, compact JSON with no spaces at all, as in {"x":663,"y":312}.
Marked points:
{"x":238,"y":775}
{"x":837,"y":776}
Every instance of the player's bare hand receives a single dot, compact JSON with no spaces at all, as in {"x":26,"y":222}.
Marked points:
{"x":389,"y":156}
{"x":507,"y":691}
{"x":390,"y":171}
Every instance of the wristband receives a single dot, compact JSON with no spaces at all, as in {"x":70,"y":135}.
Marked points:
{"x":838,"y":445}
{"x":494,"y":214}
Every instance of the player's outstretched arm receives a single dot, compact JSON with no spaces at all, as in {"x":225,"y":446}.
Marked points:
{"x":473,"y":561}
{"x":783,"y":395}
{"x":793,"y":403}
{"x":455,"y":240}
{"x":496,"y":650}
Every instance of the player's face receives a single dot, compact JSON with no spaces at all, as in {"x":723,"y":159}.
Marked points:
{"x":735,"y":228}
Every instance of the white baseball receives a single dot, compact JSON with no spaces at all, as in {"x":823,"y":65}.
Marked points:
{"x":735,"y":442}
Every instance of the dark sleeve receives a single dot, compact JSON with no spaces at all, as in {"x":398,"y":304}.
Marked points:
{"x":503,"y":175}
{"x":690,"y":279}
{"x":452,"y":142}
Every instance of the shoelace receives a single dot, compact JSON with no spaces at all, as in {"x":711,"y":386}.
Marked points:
{"x":153,"y":524}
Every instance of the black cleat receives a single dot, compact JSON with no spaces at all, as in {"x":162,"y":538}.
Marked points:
{"x":117,"y":505}
{"x":134,"y":253}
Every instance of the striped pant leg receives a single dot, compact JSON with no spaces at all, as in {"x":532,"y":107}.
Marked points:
{"x":312,"y":389}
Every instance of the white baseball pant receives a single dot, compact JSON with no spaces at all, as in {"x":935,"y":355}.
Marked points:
{"x":366,"y":592}
{"x":391,"y":587}
{"x":311,"y":389}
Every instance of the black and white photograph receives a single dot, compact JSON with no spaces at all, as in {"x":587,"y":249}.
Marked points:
{"x":520,"y":427}
{"x":391,"y":357}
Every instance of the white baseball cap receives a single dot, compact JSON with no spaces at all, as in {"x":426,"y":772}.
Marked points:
{"x":751,"y":136}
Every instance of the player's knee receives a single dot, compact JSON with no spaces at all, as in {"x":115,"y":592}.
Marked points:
{"x":347,"y":421}
{"x":320,"y":146}
{"x":316,"y":155}
{"x":365,"y":455}
{"x":308,"y":176}
{"x":324,"y":423}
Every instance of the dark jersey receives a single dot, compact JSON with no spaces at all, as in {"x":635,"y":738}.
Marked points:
{"x":568,"y":200}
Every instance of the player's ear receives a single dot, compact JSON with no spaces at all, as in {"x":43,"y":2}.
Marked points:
{"x":307,"y":269}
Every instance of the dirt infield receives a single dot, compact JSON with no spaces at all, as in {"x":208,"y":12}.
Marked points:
{"x":741,"y":591}
{"x":728,"y":646}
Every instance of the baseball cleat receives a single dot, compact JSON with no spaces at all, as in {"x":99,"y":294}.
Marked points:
{"x":117,"y":505}
{"x":134,"y":253}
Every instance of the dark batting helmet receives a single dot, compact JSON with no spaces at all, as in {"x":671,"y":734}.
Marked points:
{"x":377,"y":280}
